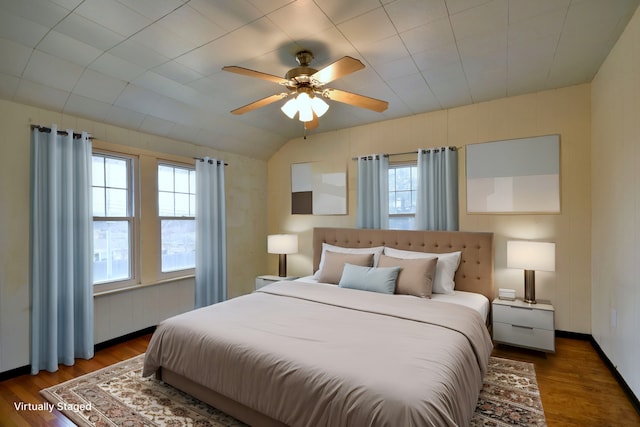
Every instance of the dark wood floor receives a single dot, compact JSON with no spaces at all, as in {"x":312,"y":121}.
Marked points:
{"x":577,"y":388}
{"x":26,"y":388}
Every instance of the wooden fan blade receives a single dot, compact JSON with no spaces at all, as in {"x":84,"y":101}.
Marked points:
{"x":312,"y":124}
{"x":253,"y":73}
{"x":260,"y":103}
{"x":340,"y":68}
{"x":357,"y":100}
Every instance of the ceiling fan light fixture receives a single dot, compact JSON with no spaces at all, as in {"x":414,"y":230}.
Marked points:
{"x":290,"y":108}
{"x":304,"y":107}
{"x":304,"y":101}
{"x":306,"y":114}
{"x":319,"y":106}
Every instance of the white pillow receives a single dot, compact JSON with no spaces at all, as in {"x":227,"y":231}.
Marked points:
{"x":445,"y":268}
{"x":376,"y":251}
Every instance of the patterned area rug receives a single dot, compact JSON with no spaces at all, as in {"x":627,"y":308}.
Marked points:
{"x":118,"y":396}
{"x":509,"y":396}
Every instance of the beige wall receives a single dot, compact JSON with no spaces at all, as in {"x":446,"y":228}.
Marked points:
{"x":120,"y":313}
{"x":564,"y":111}
{"x":615,"y":259}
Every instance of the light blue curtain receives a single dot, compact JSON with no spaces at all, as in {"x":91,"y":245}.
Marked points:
{"x":372,"y":210}
{"x":211,"y":234}
{"x":437,"y":201}
{"x":61,"y":249}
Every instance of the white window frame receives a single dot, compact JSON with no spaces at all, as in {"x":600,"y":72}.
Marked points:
{"x":399,"y":165}
{"x":173,"y":273}
{"x":145,"y":234}
{"x":131,"y":219}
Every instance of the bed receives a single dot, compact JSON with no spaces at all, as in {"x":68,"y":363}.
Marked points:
{"x":313,"y":354}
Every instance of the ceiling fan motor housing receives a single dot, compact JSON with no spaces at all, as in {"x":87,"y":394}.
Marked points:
{"x":301,"y":76}
{"x":304,"y":58}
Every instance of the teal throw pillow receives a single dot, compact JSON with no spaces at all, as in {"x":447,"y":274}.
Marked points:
{"x":373,"y":279}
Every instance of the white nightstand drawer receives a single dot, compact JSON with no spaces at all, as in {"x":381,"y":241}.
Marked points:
{"x":523,"y":316}
{"x":540,"y":339}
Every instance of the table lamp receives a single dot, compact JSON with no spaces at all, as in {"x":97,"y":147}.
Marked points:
{"x":282,"y":244}
{"x":531,"y":256}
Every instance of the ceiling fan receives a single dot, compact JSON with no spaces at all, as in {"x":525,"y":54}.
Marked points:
{"x":307,"y":91}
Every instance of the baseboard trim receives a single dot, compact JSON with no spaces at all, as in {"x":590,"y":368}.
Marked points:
{"x":627,"y":390}
{"x":15,"y":372}
{"x":574,"y":335}
{"x":25,"y":370}
{"x":124,"y":338}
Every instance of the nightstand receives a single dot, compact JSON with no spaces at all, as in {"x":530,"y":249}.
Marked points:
{"x":267,"y":280}
{"x":524,"y":325}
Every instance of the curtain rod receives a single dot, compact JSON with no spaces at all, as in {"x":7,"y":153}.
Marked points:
{"x":407,"y":152}
{"x":211,"y":161}
{"x":46,"y":129}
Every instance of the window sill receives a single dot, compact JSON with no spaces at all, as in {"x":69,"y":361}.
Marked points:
{"x":142,"y":285}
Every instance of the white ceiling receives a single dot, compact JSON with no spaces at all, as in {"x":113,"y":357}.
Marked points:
{"x":155,"y":65}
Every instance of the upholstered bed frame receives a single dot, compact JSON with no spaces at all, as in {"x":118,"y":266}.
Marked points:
{"x":475,"y":274}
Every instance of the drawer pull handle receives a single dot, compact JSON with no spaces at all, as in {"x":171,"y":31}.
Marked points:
{"x":523,"y":327}
{"x":521,"y":308}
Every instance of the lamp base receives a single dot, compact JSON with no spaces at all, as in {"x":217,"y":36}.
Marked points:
{"x":530,"y":286}
{"x":282,"y":265}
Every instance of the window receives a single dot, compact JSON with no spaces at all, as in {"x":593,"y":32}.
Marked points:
{"x":176,"y":209}
{"x":143,"y":217}
{"x":403,"y":184}
{"x":113,"y":225}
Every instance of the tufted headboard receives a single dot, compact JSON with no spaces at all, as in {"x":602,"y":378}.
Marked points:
{"x":475,"y":273}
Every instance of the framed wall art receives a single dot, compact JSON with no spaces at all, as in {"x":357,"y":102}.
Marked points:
{"x":514,"y":176}
{"x":317,"y":188}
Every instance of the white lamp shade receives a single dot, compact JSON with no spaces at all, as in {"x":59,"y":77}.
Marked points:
{"x":290,"y":108}
{"x":304,"y":107}
{"x":540,"y":256}
{"x":304,"y":100}
{"x":282,"y":243}
{"x":319,"y":106}
{"x":306,"y":114}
